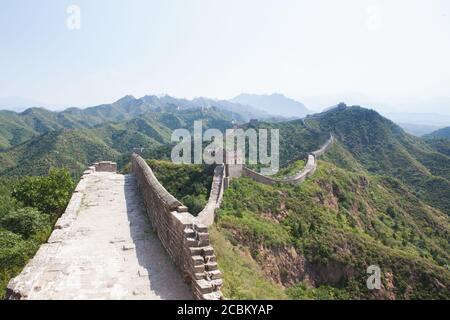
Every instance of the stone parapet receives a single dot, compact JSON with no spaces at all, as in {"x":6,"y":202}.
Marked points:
{"x":184,"y":238}
{"x":207,"y":215}
{"x":307,"y":171}
{"x":104,"y":166}
{"x":21,"y":286}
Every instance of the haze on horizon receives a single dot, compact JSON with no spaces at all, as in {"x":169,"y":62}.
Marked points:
{"x":387,"y":54}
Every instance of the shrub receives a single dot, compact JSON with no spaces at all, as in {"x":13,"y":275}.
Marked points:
{"x":48,"y":194}
{"x":26,"y":221}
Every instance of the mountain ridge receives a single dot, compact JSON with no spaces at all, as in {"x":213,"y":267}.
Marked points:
{"x":275,"y":103}
{"x":440,"y":133}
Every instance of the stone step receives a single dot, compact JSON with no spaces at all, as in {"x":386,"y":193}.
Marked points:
{"x":210,"y":258}
{"x":214,"y":275}
{"x":202,"y":251}
{"x":208,"y":275}
{"x":191,"y":242}
{"x":189,"y":233}
{"x":207,"y":251}
{"x":198,"y":260}
{"x":203,"y":238}
{"x":217,"y":284}
{"x":203,"y":286}
{"x":215,"y":295}
{"x":211,"y":266}
{"x":200,"y":276}
{"x":199,"y":268}
{"x":201,"y":228}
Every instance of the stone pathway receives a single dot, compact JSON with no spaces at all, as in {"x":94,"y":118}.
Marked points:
{"x":110,"y":251}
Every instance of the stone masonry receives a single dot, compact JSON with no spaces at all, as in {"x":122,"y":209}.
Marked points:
{"x":185,"y":239}
{"x":103,"y":247}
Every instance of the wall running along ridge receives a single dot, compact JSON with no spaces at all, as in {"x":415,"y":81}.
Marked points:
{"x":21,"y":286}
{"x":183,"y":236}
{"x":307,"y":171}
{"x":206,"y":216}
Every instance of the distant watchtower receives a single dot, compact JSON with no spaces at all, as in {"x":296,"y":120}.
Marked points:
{"x":138,"y":151}
{"x":341,"y":105}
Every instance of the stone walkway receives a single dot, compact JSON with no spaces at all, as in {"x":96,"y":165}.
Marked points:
{"x":110,"y":251}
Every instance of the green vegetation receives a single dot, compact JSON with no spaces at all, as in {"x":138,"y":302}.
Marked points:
{"x":28,"y":209}
{"x":290,"y":170}
{"x":304,"y":292}
{"x":441,"y":145}
{"x":381,"y":147}
{"x":296,"y":140}
{"x":71,"y":149}
{"x":244,"y":278}
{"x":379,"y":196}
{"x":339,"y":223}
{"x":189,"y":183}
{"x":36,"y":140}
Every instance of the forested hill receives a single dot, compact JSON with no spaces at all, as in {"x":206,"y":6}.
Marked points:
{"x":50,"y":140}
{"x":441,"y":133}
{"x":379,"y":197}
{"x":16,"y":128}
{"x":377,"y":145}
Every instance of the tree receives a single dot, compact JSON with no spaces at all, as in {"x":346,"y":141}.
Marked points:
{"x":48,"y":194}
{"x":27,"y":222}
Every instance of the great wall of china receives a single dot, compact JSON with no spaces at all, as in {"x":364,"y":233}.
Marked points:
{"x":300,"y":176}
{"x":101,"y":248}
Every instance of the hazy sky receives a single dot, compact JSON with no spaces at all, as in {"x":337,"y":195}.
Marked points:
{"x":393,"y":49}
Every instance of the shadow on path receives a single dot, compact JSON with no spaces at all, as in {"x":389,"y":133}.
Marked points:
{"x":165,"y":279}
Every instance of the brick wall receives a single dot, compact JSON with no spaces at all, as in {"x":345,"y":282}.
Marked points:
{"x":307,"y":171}
{"x":207,"y":215}
{"x":185,"y":240}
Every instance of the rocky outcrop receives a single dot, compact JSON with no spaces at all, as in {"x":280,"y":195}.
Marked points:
{"x":185,"y":239}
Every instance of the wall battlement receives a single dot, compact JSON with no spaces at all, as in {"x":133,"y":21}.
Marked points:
{"x":21,"y":286}
{"x":185,"y":239}
{"x":307,"y":171}
{"x":207,"y":215}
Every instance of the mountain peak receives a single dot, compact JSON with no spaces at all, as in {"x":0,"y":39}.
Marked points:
{"x":275,"y":104}
{"x":127,"y":98}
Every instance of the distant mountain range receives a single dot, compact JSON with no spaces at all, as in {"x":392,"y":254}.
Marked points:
{"x":429,"y":119}
{"x":16,"y":128}
{"x":276,"y":104}
{"x":19,"y":104}
{"x":418,"y":130}
{"x":35,"y":140}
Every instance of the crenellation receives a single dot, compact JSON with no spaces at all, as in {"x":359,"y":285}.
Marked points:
{"x":306,"y":172}
{"x":185,"y":239}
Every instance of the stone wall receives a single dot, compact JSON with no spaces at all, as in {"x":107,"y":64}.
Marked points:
{"x":102,"y":166}
{"x":324,"y":148}
{"x":185,"y":239}
{"x":307,"y":171}
{"x":246,"y":172}
{"x":21,"y":286}
{"x":105,"y":166}
{"x":207,"y":215}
